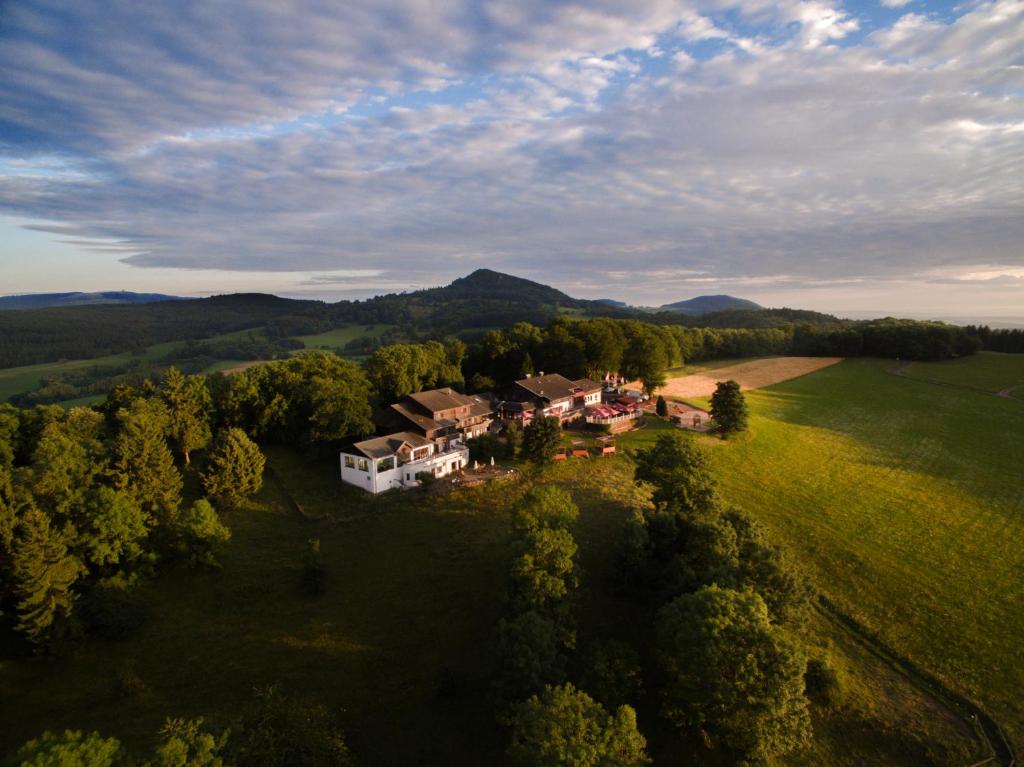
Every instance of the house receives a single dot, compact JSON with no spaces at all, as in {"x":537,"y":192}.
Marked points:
{"x":553,"y":394}
{"x":393,"y":461}
{"x":445,"y":413}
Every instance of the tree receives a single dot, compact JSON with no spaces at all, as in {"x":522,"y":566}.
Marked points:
{"x":732,"y":674}
{"x":235,"y":468}
{"x":544,"y":573}
{"x":541,"y":438}
{"x":513,"y":438}
{"x":113,"y":530}
{"x":143,"y":467}
{"x":661,"y":406}
{"x":44,"y":571}
{"x":545,"y":506}
{"x":277,"y":730}
{"x":612,"y":673}
{"x":729,"y":408}
{"x":678,"y":469}
{"x":188,"y":407}
{"x":564,"y":727}
{"x":528,"y":648}
{"x":71,"y":749}
{"x":201,"y":533}
{"x":64,"y":467}
{"x":187,"y":744}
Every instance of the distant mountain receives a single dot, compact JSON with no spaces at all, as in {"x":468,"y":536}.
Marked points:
{"x":49,"y":300}
{"x":709,"y":304}
{"x":611,"y":302}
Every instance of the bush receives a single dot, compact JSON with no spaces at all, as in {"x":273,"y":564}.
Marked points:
{"x":612,"y":674}
{"x":426,"y":478}
{"x":822,"y":683}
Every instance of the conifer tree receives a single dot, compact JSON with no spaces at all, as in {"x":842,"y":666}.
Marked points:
{"x":661,"y":406}
{"x":143,"y":466}
{"x":235,"y":468}
{"x":45,"y":572}
{"x":188,"y":409}
{"x":542,"y":438}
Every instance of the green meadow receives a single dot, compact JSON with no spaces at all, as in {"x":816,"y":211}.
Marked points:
{"x":905,"y":502}
{"x":988,"y":371}
{"x":338,"y":337}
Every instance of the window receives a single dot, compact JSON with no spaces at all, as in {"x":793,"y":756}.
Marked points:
{"x":350,"y":462}
{"x":364,"y":465}
{"x":386,"y":464}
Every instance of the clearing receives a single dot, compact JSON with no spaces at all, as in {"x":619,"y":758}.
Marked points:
{"x":755,"y":374}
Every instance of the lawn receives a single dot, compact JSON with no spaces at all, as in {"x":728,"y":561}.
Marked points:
{"x":989,"y":371}
{"x":337,"y":338}
{"x":904,"y":502}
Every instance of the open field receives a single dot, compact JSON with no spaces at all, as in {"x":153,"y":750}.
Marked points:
{"x":903,"y":500}
{"x":988,"y":371}
{"x":337,"y":338}
{"x":754,"y":374}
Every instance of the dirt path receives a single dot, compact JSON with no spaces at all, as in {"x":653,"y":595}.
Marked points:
{"x":749,"y":375}
{"x":1007,"y":393}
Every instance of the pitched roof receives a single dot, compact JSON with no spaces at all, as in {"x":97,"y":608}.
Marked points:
{"x":382,"y":447}
{"x":554,"y":386}
{"x":585,"y":384}
{"x":425,"y":422}
{"x":440,"y":399}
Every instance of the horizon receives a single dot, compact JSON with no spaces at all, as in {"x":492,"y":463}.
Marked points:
{"x":833,"y":156}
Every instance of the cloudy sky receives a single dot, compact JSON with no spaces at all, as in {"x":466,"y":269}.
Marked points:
{"x":843,"y":156}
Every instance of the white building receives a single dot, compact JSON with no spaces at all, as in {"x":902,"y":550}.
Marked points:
{"x":392,"y":461}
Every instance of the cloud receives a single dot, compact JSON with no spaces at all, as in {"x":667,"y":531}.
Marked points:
{"x":738,"y":145}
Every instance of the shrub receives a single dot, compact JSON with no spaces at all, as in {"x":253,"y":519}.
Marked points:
{"x":113,"y":613}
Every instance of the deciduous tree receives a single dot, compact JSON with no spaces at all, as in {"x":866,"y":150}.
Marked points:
{"x":72,"y":748}
{"x":679,"y":472}
{"x":732,"y":674}
{"x":188,"y":408}
{"x":728,"y":408}
{"x":541,"y":438}
{"x":564,"y":727}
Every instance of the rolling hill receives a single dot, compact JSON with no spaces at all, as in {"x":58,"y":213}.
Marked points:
{"x":709,"y":304}
{"x":48,"y":300}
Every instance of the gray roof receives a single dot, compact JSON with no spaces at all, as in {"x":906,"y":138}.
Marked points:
{"x":555,"y":387}
{"x":382,"y":447}
{"x":440,"y":399}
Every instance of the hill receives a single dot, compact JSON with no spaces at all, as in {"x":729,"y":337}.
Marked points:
{"x":48,"y":300}
{"x":709,"y":304}
{"x":32,"y":336}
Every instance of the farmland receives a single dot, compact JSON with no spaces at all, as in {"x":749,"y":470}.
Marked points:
{"x":750,"y":374}
{"x":986,"y":371}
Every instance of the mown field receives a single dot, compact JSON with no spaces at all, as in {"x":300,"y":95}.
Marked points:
{"x":989,"y":371}
{"x":905,"y":501}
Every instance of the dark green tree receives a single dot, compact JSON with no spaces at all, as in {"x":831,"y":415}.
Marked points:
{"x":564,"y":727}
{"x":513,"y":439}
{"x":544,"y":572}
{"x":234,"y":470}
{"x":731,"y":674}
{"x":545,"y":506}
{"x":113,"y":531}
{"x":200,"y":533}
{"x":612,"y":674}
{"x":728,"y":408}
{"x":679,"y":472}
{"x":44,"y":571}
{"x":661,"y":406}
{"x":541,"y":438}
{"x":528,"y":647}
{"x":277,"y":730}
{"x":143,"y":466}
{"x":188,"y":408}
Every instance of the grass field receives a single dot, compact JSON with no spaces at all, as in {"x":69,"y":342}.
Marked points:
{"x":904,"y":500}
{"x":988,"y":371}
{"x":337,"y":338}
{"x":752,"y":374}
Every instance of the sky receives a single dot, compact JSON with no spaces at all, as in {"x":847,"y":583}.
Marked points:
{"x":865,"y":156}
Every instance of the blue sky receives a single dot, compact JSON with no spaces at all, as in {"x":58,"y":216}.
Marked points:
{"x":861,"y":156}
